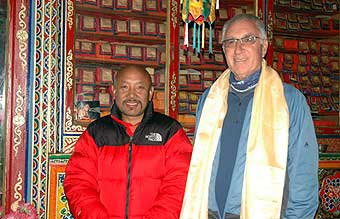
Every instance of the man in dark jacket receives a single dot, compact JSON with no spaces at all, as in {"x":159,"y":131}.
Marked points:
{"x":131,"y":164}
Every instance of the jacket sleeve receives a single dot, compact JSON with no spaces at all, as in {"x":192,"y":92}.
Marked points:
{"x":199,"y":108}
{"x":302,"y":166}
{"x":80,"y":182}
{"x":168,"y":203}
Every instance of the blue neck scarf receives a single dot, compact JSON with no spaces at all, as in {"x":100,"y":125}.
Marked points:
{"x":245,"y":85}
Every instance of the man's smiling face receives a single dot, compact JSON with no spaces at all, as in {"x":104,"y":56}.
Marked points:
{"x":132,"y":92}
{"x":244,"y":59}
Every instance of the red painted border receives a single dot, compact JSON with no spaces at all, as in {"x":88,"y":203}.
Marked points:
{"x":174,"y":56}
{"x":268,"y":8}
{"x":16,"y":77}
{"x":69,"y":25}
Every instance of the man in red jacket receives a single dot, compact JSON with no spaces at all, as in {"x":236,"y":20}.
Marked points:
{"x":132,"y":164}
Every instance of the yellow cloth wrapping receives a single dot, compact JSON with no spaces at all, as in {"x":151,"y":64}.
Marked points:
{"x":195,"y":203}
{"x":212,"y":15}
{"x":267,"y":149}
{"x":195,"y":9}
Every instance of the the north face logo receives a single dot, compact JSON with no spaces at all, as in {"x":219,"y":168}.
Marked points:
{"x":154,"y":137}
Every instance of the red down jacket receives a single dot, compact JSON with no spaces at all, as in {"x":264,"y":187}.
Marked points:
{"x":114,"y":174}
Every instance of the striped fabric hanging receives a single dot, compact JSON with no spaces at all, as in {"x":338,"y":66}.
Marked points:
{"x":200,"y":13}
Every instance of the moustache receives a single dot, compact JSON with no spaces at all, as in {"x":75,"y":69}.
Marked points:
{"x":132,"y":101}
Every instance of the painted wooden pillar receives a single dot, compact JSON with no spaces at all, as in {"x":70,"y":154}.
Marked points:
{"x":172,"y":56}
{"x":16,"y":98}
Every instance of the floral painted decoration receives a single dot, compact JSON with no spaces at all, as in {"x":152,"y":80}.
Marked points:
{"x":23,"y":211}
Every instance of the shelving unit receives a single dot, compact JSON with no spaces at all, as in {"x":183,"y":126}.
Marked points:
{"x":305,"y":51}
{"x":110,"y":34}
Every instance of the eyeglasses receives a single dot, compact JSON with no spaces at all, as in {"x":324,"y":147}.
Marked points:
{"x":245,"y":41}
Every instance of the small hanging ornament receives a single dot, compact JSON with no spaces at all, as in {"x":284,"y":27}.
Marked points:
{"x":200,"y":12}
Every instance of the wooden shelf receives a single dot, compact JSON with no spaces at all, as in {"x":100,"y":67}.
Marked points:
{"x":332,"y":164}
{"x":330,"y":131}
{"x":95,"y":60}
{"x":226,"y":3}
{"x":195,"y":90}
{"x":126,"y":38}
{"x":310,"y":34}
{"x":297,"y":52}
{"x":313,"y":12}
{"x":159,"y":17}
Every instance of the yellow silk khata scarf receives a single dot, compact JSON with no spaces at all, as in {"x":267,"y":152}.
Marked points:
{"x":267,"y":149}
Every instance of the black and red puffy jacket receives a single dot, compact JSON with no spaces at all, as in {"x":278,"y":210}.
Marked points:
{"x":113,"y":173}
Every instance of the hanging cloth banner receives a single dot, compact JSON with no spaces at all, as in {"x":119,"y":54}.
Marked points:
{"x":199,"y":12}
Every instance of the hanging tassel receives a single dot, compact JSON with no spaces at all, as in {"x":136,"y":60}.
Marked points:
{"x":210,"y":39}
{"x":194,"y":38}
{"x":199,"y":39}
{"x":203,"y":29}
{"x":186,"y":35}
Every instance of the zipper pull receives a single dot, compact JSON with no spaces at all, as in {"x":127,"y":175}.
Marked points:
{"x":130,"y":143}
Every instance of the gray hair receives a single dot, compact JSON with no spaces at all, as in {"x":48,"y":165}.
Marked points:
{"x":248,"y":17}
